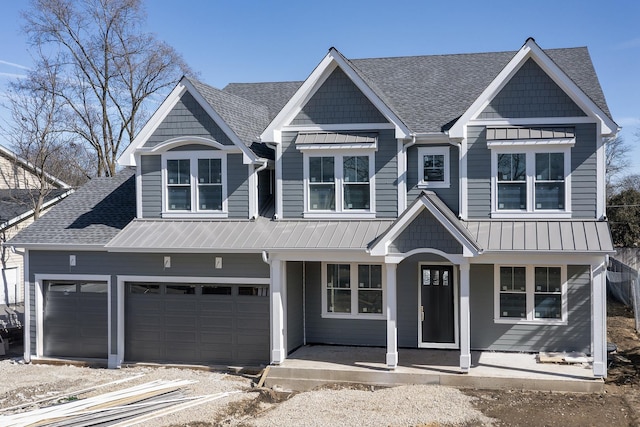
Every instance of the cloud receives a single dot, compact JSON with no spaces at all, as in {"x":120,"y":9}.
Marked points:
{"x":628,"y":44}
{"x":13,"y":64}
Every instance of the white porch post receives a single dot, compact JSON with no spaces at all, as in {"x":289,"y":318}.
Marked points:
{"x":465,"y":321}
{"x":276,"y":296}
{"x":599,"y":316}
{"x":392,"y":316}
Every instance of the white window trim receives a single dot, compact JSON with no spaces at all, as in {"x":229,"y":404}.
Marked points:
{"x":530,"y":291}
{"x":422,"y":151}
{"x":530,"y":151}
{"x":340,"y":211}
{"x":193,"y":157}
{"x":353,"y":269}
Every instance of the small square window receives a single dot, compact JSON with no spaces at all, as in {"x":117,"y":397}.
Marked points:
{"x":433,"y":167}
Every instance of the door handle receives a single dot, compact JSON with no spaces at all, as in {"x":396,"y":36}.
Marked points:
{"x":422,"y":313}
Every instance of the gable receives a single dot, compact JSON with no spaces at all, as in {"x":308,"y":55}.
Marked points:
{"x":187,"y":117}
{"x":338,"y":100}
{"x":425,"y":231}
{"x":531,"y":93}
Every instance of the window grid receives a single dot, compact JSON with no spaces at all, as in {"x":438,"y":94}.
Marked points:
{"x":353,"y":290}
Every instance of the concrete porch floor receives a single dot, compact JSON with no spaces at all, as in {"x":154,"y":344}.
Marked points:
{"x":315,"y":365}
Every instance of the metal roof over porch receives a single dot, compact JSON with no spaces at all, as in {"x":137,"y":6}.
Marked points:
{"x":581,"y":236}
{"x":246,"y":236}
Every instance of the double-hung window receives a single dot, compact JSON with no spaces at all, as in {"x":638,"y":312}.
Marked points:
{"x":352,"y":290}
{"x":433,"y":167}
{"x":531,"y":294}
{"x":339,"y":184}
{"x":532,"y":180}
{"x":194,"y":183}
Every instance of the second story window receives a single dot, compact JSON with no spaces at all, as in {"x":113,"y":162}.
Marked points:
{"x":194,"y":184}
{"x":531,"y":180}
{"x":339,"y":184}
{"x":433,"y":167}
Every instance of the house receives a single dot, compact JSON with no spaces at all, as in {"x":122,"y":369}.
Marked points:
{"x":447,"y":202}
{"x":19,"y":190}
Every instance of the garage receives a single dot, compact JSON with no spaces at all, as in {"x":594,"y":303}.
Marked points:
{"x":197,"y":323}
{"x":75,"y":319}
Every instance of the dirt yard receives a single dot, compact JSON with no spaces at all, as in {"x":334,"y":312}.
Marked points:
{"x":246,"y":405}
{"x":618,"y":406}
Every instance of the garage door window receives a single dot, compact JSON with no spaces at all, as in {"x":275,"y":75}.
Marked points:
{"x":62,"y":287}
{"x":144,"y":288}
{"x":254,"y":291}
{"x":181,"y":289}
{"x":216,"y":290}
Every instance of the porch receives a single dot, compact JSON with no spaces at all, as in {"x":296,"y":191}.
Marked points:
{"x":312,"y":366}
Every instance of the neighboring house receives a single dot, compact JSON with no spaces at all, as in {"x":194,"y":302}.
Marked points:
{"x":448,"y":202}
{"x":19,"y":187}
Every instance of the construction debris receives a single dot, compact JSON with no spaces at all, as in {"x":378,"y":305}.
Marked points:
{"x":119,"y":408}
{"x":563,"y":357}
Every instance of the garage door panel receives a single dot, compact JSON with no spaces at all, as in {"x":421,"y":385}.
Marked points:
{"x":75,"y":323}
{"x":212,"y":324}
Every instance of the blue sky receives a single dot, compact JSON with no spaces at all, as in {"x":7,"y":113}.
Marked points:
{"x":278,"y":40}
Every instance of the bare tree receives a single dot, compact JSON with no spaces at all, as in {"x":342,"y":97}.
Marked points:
{"x":111,"y":68}
{"x":35,"y":133}
{"x":617,"y":160}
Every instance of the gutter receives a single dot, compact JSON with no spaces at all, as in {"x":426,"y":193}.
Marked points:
{"x":30,"y":212}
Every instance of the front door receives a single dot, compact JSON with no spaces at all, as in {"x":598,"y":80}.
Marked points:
{"x":437,"y":309}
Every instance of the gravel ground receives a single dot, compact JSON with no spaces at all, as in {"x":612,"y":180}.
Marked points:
{"x":400,"y":406}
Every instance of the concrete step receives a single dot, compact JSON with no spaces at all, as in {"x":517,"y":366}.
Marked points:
{"x":305,"y":378}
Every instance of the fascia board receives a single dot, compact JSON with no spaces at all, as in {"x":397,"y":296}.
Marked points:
{"x":127,"y":157}
{"x":380,"y":248}
{"x":248,"y":156}
{"x":609,"y":127}
{"x":532,"y":50}
{"x":330,"y":62}
{"x":293,"y":106}
{"x":401,"y":130}
{"x":457,"y":130}
{"x":11,"y":156}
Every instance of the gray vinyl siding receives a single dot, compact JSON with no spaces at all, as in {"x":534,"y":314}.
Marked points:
{"x":338,"y":100}
{"x":237,"y":187}
{"x":478,"y":173}
{"x":531,"y":93}
{"x":487,"y":335}
{"x":336,"y":331}
{"x":151,"y":171}
{"x":292,"y":178}
{"x":187,"y":118}
{"x":114,"y":264}
{"x":448,"y":195}
{"x":295,"y":305}
{"x":584,"y":172}
{"x":425,"y":231}
{"x":386,"y":176}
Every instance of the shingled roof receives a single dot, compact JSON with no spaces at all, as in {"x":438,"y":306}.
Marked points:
{"x":91,"y":216}
{"x":429,"y":93}
{"x":16,"y":202}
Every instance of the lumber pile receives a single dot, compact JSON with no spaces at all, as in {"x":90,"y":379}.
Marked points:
{"x":118,"y":408}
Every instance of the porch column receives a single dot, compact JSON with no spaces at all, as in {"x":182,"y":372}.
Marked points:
{"x":392,"y":316}
{"x":599,"y":315}
{"x":465,"y":334}
{"x":276,"y":296}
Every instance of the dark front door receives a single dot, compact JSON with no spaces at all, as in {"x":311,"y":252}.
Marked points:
{"x":437,"y":299}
